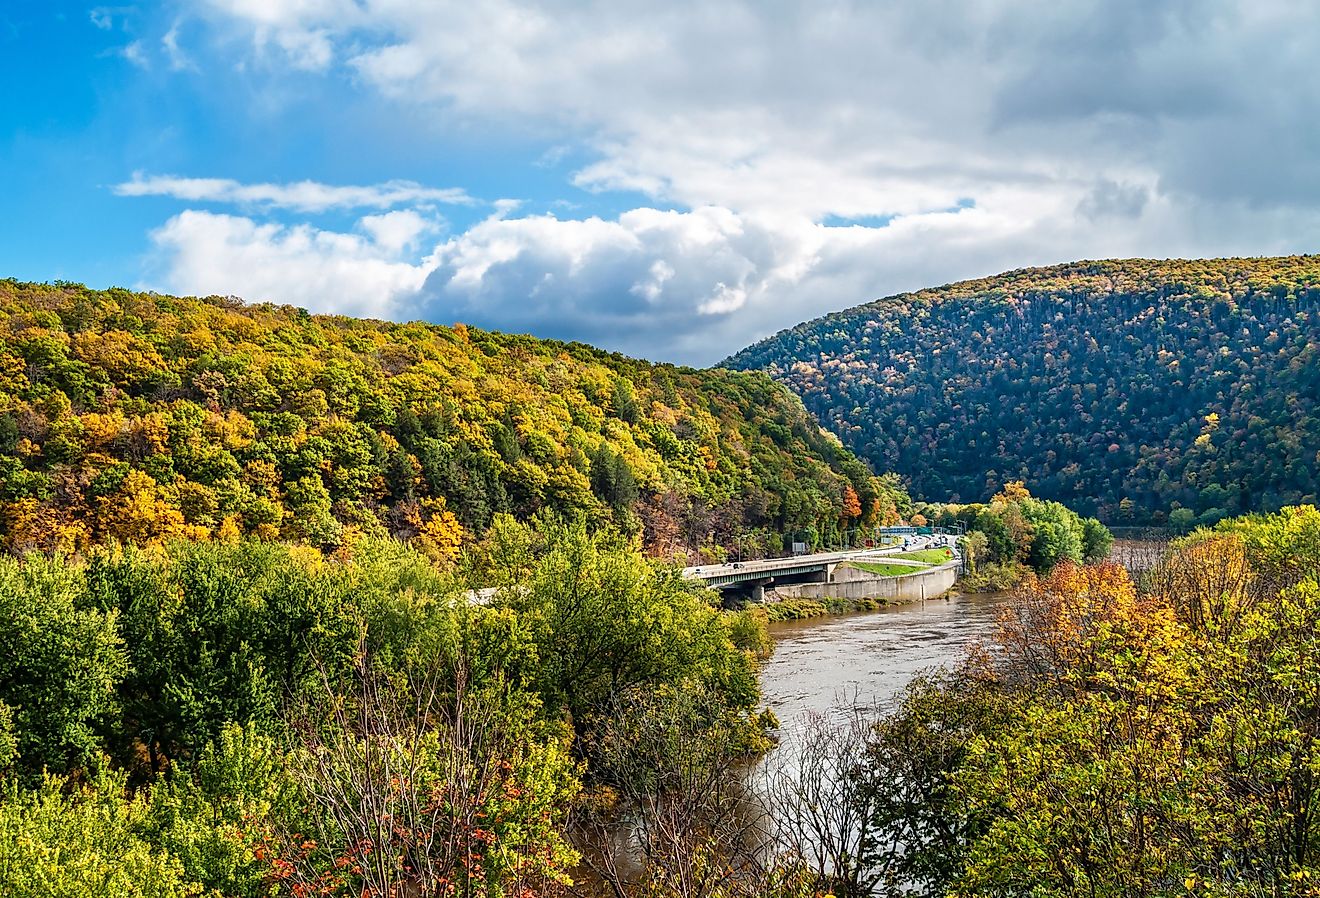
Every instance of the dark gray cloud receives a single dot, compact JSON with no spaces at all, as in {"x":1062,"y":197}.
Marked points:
{"x":1109,"y":199}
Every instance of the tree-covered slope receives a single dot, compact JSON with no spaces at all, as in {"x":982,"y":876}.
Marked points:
{"x":1133,"y":389}
{"x":137,"y":417}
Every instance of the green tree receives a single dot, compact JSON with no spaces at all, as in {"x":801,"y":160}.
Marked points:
{"x":974,"y":547}
{"x":63,"y":663}
{"x":1096,"y":540}
{"x":605,"y":622}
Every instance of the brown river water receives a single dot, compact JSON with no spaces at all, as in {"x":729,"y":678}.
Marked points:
{"x":825,"y":663}
{"x":828,"y":662}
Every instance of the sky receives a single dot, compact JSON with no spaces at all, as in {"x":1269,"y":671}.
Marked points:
{"x":670,"y":180}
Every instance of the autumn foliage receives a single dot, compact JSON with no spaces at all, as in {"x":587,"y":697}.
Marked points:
{"x":1141,"y":391}
{"x":1127,"y":737}
{"x":142,"y":418}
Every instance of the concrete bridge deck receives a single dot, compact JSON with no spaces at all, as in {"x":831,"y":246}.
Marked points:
{"x":823,"y":564}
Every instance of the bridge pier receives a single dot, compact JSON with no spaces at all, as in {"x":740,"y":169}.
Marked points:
{"x":746,"y":592}
{"x":823,"y":575}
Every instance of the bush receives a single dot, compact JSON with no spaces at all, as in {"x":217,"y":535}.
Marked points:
{"x":994,"y":577}
{"x":86,"y":843}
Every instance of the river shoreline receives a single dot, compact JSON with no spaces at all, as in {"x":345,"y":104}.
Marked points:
{"x":787,"y":610}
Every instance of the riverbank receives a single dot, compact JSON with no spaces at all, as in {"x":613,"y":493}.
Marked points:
{"x":795,"y":609}
{"x":990,"y":578}
{"x":853,"y":589}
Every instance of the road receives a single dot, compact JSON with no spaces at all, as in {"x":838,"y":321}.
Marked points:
{"x":770,"y":565}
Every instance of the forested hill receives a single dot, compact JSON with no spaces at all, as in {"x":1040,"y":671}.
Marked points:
{"x":141,"y":417}
{"x":1134,"y":389}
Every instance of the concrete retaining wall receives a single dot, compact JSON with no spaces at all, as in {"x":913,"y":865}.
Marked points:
{"x":844,"y":573}
{"x":927,"y":584}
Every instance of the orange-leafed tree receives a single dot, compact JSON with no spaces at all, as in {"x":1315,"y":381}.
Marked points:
{"x":137,"y":513}
{"x":852,"y":505}
{"x":1012,"y":492}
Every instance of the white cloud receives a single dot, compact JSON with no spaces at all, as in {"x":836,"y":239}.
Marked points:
{"x":982,"y":136}
{"x":302,"y":196}
{"x":203,"y":253}
{"x":686,"y":286}
{"x":853,"y":109}
{"x":303,"y":31}
{"x":622,"y":274}
{"x":398,"y":231}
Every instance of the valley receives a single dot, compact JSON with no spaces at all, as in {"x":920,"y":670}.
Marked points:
{"x":242,"y":542}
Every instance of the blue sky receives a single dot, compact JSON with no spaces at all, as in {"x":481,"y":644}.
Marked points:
{"x":673,"y":181}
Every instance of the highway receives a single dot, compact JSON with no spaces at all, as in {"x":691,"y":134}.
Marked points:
{"x":769,"y":566}
{"x":748,"y":570}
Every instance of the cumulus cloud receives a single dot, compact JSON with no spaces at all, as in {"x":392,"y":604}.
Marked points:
{"x":696,"y":285}
{"x":301,"y":196}
{"x":642,"y":277}
{"x":689,"y":286}
{"x":959,"y":139}
{"x":398,"y":231}
{"x":204,"y":253}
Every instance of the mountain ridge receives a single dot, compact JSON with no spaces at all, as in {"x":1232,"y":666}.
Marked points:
{"x":1136,"y":360}
{"x":140,"y":417}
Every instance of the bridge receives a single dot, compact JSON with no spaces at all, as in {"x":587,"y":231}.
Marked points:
{"x":818,"y":568}
{"x":754,"y":576}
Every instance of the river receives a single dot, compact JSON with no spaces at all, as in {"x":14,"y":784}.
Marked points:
{"x":821,"y":663}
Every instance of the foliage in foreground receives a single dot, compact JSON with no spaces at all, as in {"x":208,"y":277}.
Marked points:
{"x":256,"y":720}
{"x":1115,"y":741}
{"x":1119,"y":742}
